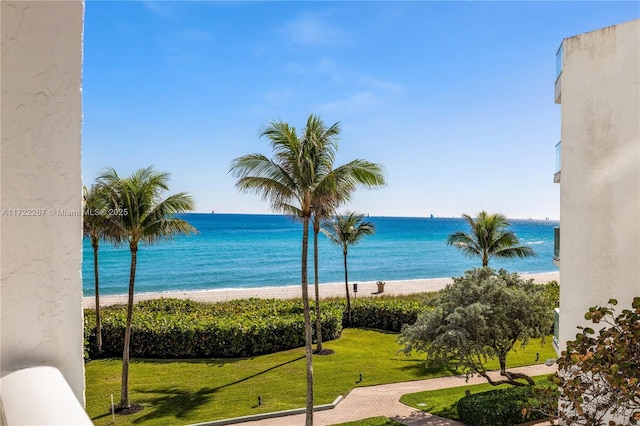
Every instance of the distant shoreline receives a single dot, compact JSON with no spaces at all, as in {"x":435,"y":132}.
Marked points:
{"x":365,"y":289}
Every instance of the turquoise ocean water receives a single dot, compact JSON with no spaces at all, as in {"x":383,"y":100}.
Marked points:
{"x":237,"y":250}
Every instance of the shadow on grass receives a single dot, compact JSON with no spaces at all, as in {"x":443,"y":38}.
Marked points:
{"x":178,"y":403}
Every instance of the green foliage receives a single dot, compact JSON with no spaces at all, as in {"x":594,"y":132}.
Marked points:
{"x":499,"y":407}
{"x":599,"y":373}
{"x":172,"y":328}
{"x":385,"y":314}
{"x":481,"y":315}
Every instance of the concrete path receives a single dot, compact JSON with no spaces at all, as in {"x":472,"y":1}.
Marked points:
{"x":384,"y":400}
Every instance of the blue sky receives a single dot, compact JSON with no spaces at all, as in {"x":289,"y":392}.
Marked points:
{"x":455,"y":99}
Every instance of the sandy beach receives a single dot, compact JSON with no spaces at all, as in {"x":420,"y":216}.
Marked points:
{"x":365,"y":289}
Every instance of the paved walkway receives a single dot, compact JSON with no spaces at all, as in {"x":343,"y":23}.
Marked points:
{"x":384,"y":400}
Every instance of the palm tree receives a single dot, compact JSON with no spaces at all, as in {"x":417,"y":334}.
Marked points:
{"x":345,"y":231}
{"x":143,"y":216}
{"x":96,"y":225}
{"x":287,"y":182}
{"x":489,"y":238}
{"x":332,"y":190}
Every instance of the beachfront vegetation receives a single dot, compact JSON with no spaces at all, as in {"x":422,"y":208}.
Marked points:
{"x":599,"y":372}
{"x":298,"y":177}
{"x":444,"y":402}
{"x":174,"y":328}
{"x":489,"y":238}
{"x":98,"y":225}
{"x":199,"y":390}
{"x":481,"y":315}
{"x":344,"y":231}
{"x":141,"y":214}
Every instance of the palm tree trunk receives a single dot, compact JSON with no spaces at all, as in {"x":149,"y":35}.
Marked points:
{"x":97,"y":283}
{"x":316,"y":230}
{"x":124,"y":394}
{"x":346,"y":286}
{"x":307,"y":322}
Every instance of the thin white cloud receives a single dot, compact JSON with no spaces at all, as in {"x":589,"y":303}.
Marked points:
{"x":311,"y":30}
{"x":161,"y":8}
{"x":387,"y":86}
{"x":355,"y":102}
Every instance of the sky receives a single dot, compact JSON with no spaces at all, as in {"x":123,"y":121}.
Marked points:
{"x":454,"y":99}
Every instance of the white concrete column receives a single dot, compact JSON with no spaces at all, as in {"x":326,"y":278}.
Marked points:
{"x":41,"y":188}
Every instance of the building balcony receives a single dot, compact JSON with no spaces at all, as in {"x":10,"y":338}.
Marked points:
{"x":556,"y":246}
{"x":558,"y":86}
{"x":556,"y":176}
{"x":556,"y":330}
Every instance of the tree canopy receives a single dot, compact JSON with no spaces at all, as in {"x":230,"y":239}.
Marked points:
{"x":489,"y":238}
{"x":481,"y":315}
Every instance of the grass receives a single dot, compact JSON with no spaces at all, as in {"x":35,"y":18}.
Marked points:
{"x":372,"y":421}
{"x":442,"y":402}
{"x":192,"y":391}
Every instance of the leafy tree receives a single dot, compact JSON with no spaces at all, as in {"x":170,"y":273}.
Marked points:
{"x":299,"y":180}
{"x":480,"y":316}
{"x":599,"y":373}
{"x":143,"y":216}
{"x":345,"y":231}
{"x":489,"y":238}
{"x":97,"y":225}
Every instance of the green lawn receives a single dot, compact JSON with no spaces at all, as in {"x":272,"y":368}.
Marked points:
{"x":191,"y":391}
{"x":442,"y":402}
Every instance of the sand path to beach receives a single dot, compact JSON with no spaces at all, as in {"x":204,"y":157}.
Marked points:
{"x":365,"y":289}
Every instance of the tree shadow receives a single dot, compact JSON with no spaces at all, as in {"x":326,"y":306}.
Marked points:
{"x":178,"y":403}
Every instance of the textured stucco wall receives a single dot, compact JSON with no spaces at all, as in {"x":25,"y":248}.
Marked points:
{"x":600,"y":186}
{"x":41,"y":250}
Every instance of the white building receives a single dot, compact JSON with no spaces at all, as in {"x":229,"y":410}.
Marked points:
{"x":598,"y":88}
{"x":41,"y":248}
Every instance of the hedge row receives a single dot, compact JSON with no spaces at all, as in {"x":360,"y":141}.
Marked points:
{"x":171,"y":328}
{"x":384,"y":314}
{"x":500,"y":407}
{"x":174,"y":328}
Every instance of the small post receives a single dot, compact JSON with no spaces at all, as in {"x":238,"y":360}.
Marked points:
{"x":113,"y":411}
{"x":361,"y":376}
{"x":355,"y":291}
{"x":467,"y":392}
{"x":537,"y":356}
{"x":259,"y":400}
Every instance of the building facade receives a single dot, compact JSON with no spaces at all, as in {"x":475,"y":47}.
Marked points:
{"x":598,"y":89}
{"x":41,"y":245}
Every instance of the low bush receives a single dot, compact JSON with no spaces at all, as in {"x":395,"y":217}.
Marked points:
{"x":172,"y":328}
{"x":500,"y":407}
{"x":385,"y":314}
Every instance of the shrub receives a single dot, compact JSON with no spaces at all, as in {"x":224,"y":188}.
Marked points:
{"x":385,"y":314}
{"x":171,"y":328}
{"x":500,"y":407}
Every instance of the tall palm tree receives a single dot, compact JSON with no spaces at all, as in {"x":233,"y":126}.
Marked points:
{"x":489,"y":238}
{"x":345,"y":231}
{"x":143,"y":216}
{"x":332,"y":190}
{"x":97,"y":225}
{"x":287,"y":182}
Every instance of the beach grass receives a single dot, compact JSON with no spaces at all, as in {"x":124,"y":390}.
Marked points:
{"x":372,"y":421}
{"x":443,"y":402}
{"x":192,"y":391}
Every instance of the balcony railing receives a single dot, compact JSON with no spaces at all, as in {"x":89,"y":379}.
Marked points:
{"x":559,"y":61}
{"x":558,"y":86}
{"x":556,"y":176}
{"x":556,"y":243}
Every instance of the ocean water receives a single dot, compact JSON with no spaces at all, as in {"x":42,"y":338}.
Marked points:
{"x":237,"y":250}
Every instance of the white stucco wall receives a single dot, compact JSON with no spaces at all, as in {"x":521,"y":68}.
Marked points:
{"x":41,"y":255}
{"x":600,"y":186}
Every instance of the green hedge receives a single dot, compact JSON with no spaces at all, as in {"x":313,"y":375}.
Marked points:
{"x":172,"y":328}
{"x":500,"y":407}
{"x":384,"y":314}
{"x":175,"y":328}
